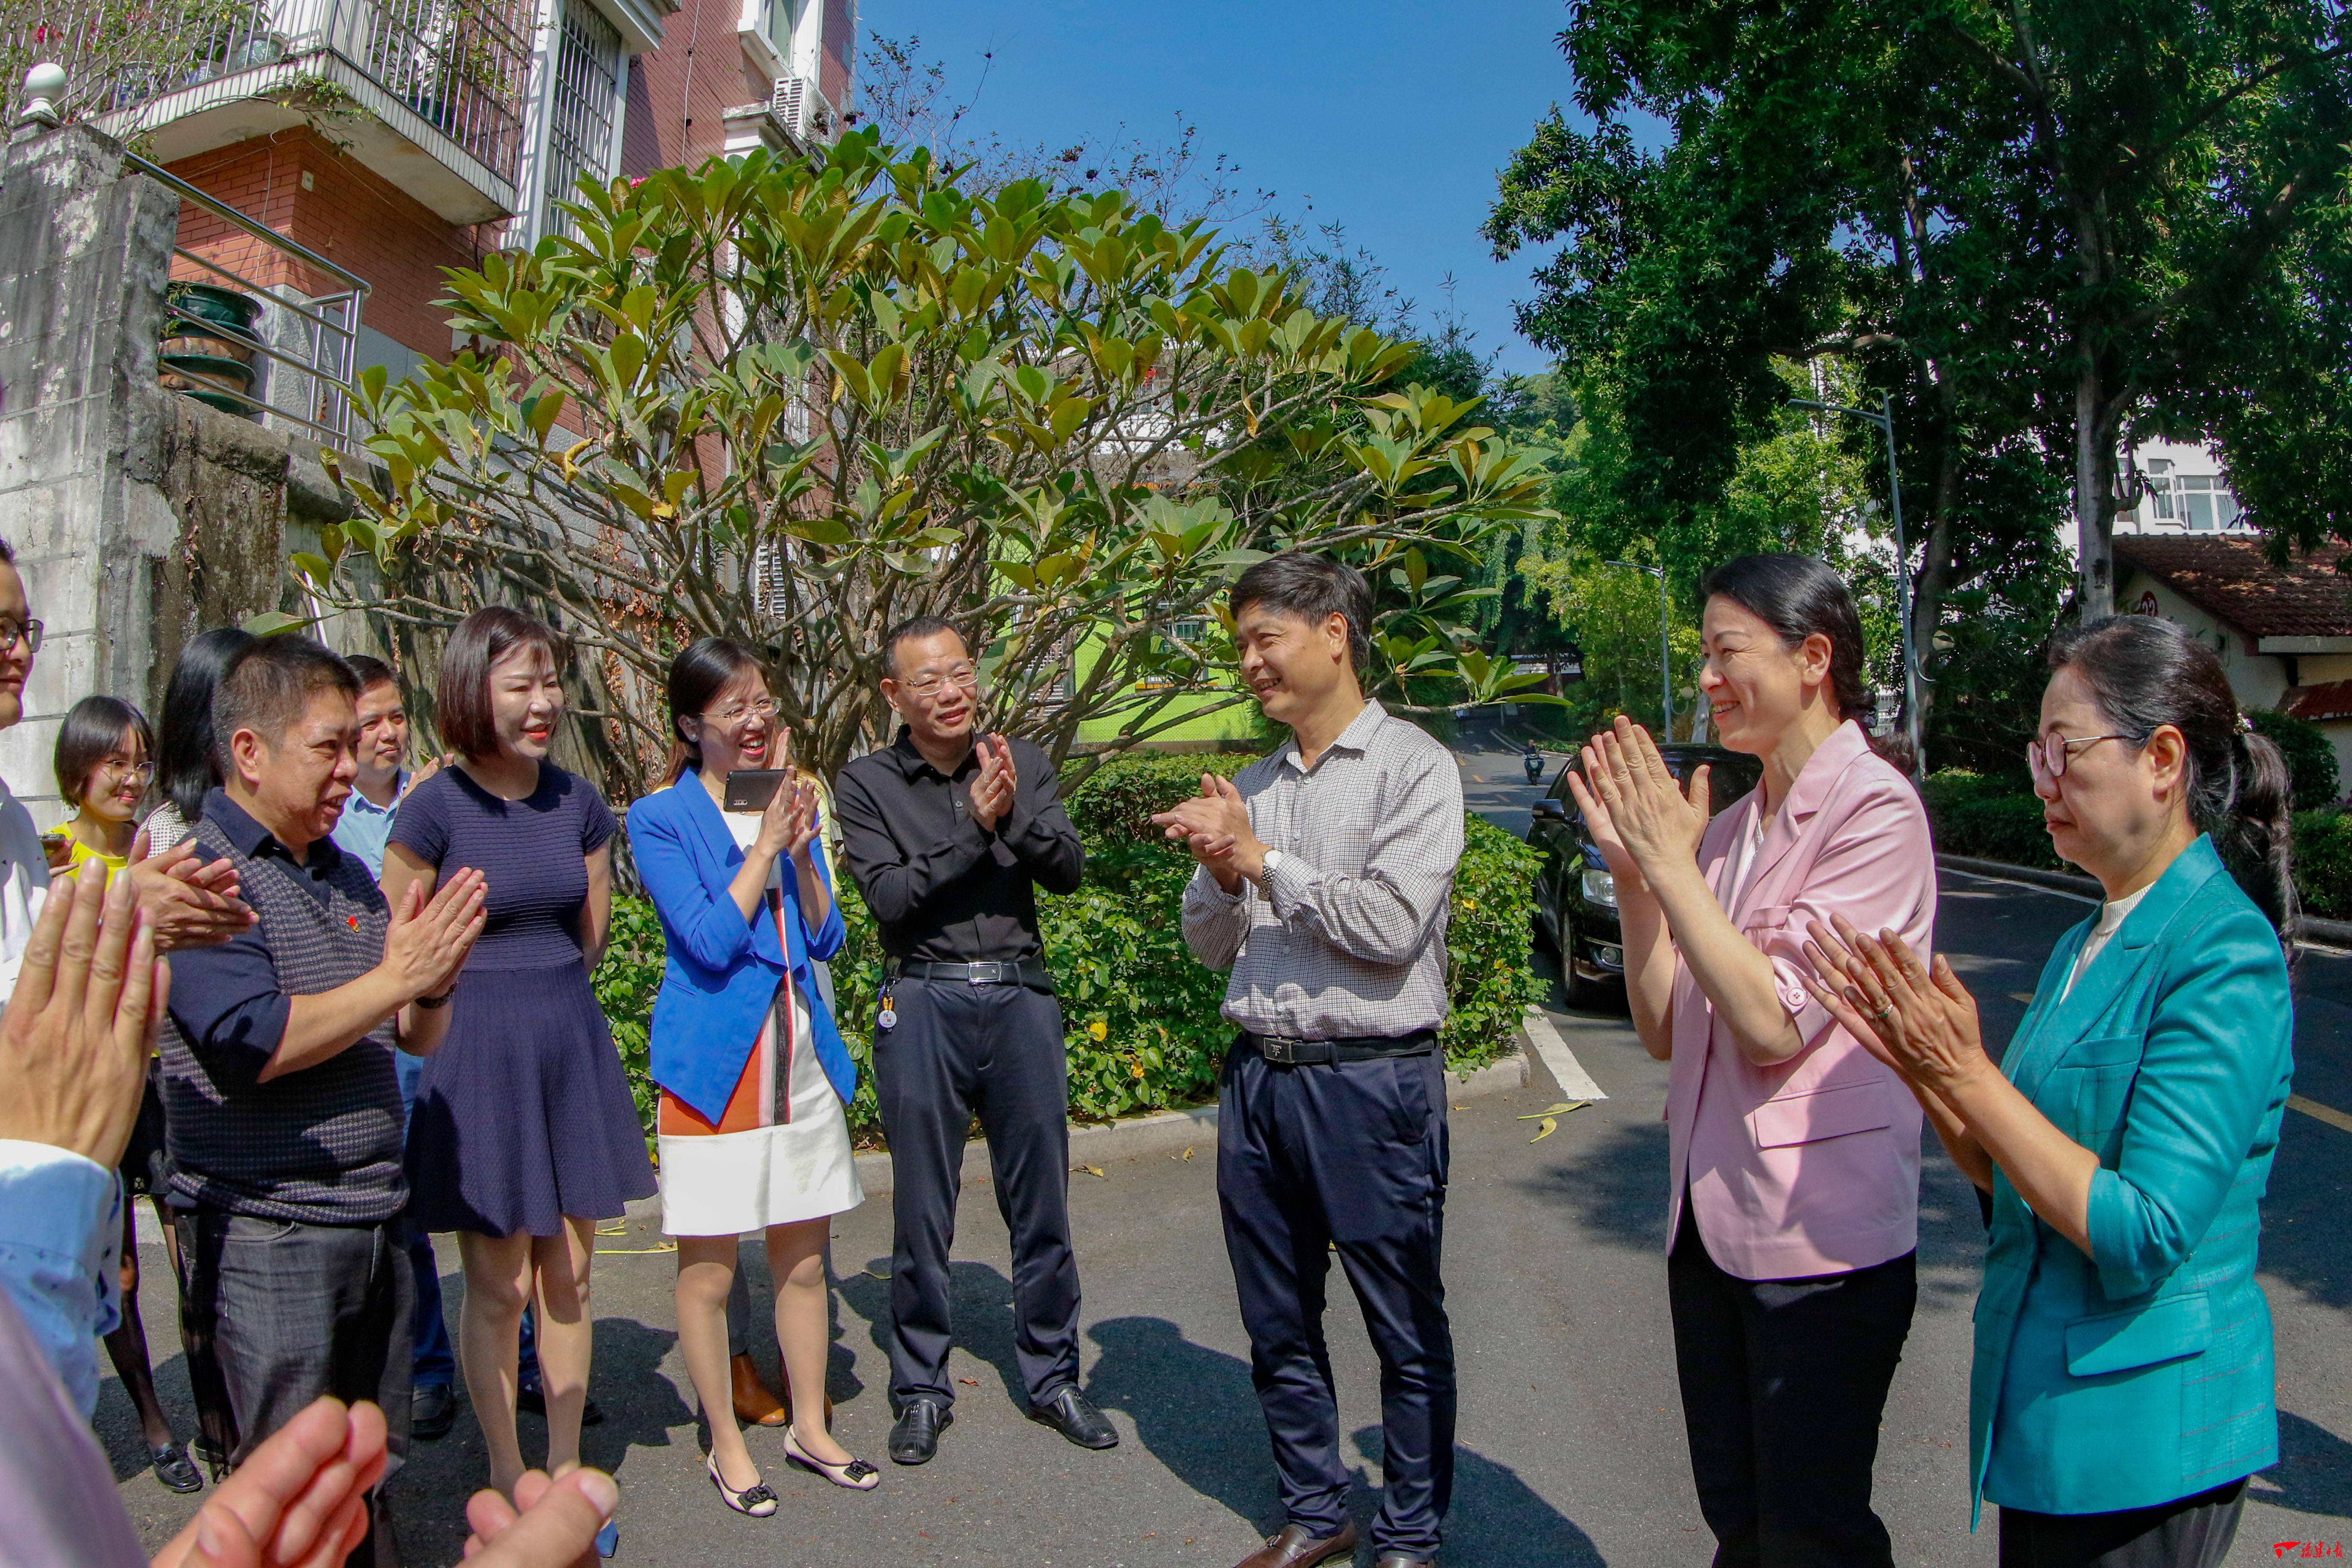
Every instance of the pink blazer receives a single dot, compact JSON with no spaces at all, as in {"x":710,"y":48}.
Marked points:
{"x":1811,"y":1166}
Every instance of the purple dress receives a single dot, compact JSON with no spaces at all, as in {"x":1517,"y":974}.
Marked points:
{"x":523,"y":1116}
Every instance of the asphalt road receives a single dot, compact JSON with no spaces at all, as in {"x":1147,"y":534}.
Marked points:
{"x":1571,"y":1449}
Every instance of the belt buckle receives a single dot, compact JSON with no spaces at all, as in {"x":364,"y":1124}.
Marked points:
{"x":989,"y":973}
{"x":1280,"y":1049}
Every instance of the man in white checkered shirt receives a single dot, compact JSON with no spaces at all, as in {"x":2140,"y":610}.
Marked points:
{"x":1326,"y":872}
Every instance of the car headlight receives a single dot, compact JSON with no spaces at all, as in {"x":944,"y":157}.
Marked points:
{"x":1599,"y":888}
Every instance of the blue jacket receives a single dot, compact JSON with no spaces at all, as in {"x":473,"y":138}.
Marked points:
{"x":721,"y":972}
{"x":2141,"y":1372}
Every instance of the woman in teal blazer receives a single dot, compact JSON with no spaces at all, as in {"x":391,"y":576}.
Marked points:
{"x":2123,"y":1383}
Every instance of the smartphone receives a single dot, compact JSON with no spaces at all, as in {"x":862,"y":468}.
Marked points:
{"x":751,"y":789}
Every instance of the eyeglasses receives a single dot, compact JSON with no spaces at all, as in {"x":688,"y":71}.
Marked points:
{"x":734,"y":713}
{"x":2048,"y":756}
{"x":964,"y":675}
{"x":12,"y":629}
{"x":128,"y":773}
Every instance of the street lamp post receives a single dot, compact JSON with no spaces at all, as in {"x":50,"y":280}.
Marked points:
{"x":1665,"y":647}
{"x":1884,"y":420}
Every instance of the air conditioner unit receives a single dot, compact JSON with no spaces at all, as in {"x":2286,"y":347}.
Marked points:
{"x":798,"y":107}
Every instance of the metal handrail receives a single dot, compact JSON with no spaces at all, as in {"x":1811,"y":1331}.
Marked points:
{"x":332,"y":362}
{"x":253,"y":226}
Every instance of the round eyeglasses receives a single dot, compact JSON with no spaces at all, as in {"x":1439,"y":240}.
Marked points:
{"x":2048,"y":756}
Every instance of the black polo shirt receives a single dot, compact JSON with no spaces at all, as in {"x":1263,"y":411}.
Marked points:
{"x":942,"y":888}
{"x":228,"y":997}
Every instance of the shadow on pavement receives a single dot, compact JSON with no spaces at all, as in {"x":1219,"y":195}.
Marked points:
{"x":1195,"y":1410}
{"x":1617,"y":1187}
{"x":2313,"y":1474}
{"x":1496,"y":1516}
{"x":1192,"y":1408}
{"x":980,"y":1302}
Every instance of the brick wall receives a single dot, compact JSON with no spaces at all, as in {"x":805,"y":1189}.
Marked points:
{"x":350,"y":214}
{"x":690,"y":82}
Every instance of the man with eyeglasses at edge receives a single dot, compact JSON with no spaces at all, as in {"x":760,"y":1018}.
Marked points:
{"x":949,"y":834}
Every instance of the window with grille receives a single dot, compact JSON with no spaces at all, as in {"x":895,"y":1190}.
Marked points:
{"x":581,"y":109}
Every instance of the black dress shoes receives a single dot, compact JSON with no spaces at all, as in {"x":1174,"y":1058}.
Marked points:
{"x":916,"y":1437}
{"x":432,"y":1411}
{"x":1073,"y":1416}
{"x":174,"y":1470}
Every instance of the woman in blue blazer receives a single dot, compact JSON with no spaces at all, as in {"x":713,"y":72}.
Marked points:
{"x":2123,"y":1385}
{"x":754,"y":1078}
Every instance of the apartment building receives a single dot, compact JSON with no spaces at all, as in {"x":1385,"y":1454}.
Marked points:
{"x":386,"y":140}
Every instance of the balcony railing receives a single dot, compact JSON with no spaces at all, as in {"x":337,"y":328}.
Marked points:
{"x":460,"y":65}
{"x":303,"y":348}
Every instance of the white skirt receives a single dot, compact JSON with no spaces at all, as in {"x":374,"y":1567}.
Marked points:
{"x":803,"y":1168}
{"x":728,"y":1183}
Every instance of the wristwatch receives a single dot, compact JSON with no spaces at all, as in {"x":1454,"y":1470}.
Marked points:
{"x":1265,"y":867}
{"x":441,"y":1001}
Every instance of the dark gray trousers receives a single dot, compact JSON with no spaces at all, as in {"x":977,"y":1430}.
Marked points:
{"x":2188,"y":1533}
{"x":287,"y":1313}
{"x":993,"y":1051}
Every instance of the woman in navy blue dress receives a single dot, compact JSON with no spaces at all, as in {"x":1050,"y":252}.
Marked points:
{"x":525,"y":1135}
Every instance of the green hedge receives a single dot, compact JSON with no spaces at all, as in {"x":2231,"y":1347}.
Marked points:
{"x":1144,"y":1032}
{"x":2310,"y":756}
{"x":1996,"y":818}
{"x":1992,"y":816}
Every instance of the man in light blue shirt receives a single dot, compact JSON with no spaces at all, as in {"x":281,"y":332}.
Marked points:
{"x":365,"y":826}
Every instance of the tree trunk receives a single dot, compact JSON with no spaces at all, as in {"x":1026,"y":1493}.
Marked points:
{"x":1935,"y":579}
{"x":2094,"y":465}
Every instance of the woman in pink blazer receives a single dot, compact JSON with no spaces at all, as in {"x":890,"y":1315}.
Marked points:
{"x":1793,"y":1155}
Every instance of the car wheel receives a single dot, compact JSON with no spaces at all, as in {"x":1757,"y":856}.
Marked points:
{"x":1546,"y":939}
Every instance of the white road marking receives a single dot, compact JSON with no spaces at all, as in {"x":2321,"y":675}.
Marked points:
{"x":1574,"y":1083}
{"x":2008,"y":883}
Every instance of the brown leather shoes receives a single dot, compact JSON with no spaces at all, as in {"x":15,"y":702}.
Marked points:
{"x":754,"y":1400}
{"x":756,"y":1404}
{"x":1292,"y":1547}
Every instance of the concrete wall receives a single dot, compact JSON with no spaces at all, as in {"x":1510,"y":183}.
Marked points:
{"x":138,"y":516}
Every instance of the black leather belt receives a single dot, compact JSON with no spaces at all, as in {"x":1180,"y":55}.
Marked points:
{"x":1029,"y":972}
{"x":1285,"y":1051}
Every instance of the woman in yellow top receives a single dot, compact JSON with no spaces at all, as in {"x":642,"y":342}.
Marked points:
{"x":103,"y":772}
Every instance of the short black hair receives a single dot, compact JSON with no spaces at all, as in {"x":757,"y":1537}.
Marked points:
{"x":373,"y":671}
{"x":7,"y":554}
{"x":92,"y":731}
{"x":268,"y":690}
{"x":461,"y":704}
{"x":909,"y":630}
{"x":1313,"y":587}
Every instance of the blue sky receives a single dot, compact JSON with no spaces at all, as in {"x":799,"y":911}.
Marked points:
{"x":1390,"y":118}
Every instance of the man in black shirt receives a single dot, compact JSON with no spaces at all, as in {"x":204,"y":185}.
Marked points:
{"x":948,"y":837}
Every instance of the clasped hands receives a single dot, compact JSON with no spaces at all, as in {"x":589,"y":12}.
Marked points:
{"x":1921,"y":1022}
{"x":1642,"y":820}
{"x":788,"y":826}
{"x":1215,"y":827}
{"x":994,"y":789}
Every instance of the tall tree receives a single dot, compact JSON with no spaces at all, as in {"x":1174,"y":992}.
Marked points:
{"x":792,"y":403}
{"x":2036,"y":224}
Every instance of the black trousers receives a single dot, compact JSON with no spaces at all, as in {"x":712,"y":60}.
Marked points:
{"x":1349,"y":1155}
{"x":1783,"y":1382}
{"x":2187,"y":1532}
{"x":994,"y":1051}
{"x":282,"y":1312}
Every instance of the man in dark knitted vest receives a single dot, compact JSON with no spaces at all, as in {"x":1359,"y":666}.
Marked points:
{"x":284,"y":1113}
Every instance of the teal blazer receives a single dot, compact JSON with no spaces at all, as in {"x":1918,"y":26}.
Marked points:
{"x":2141,"y":1372}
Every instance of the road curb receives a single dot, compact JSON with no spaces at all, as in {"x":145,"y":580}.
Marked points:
{"x":2316,"y":932}
{"x":1161,"y":1132}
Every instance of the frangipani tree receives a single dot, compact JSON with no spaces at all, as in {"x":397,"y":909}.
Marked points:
{"x":794,"y":403}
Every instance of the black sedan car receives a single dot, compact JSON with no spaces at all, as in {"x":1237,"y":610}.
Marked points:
{"x":1576,"y":897}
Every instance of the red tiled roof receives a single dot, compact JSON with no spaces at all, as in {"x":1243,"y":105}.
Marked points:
{"x":2229,"y":578}
{"x":2331,"y":701}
